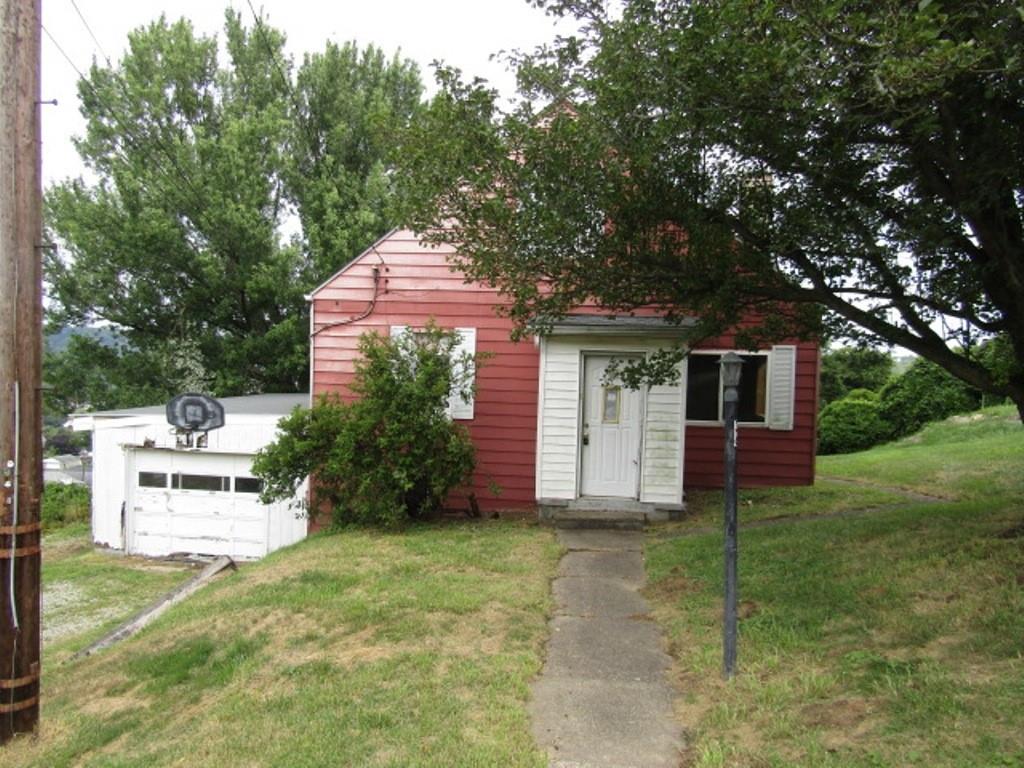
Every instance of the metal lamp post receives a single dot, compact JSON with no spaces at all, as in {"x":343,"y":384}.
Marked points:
{"x":731,"y":365}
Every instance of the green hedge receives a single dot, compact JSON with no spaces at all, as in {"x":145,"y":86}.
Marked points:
{"x":923,"y":394}
{"x":852,"y":424}
{"x":64,"y":504}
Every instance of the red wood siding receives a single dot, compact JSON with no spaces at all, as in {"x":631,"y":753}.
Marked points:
{"x":416,"y":285}
{"x":765,"y":457}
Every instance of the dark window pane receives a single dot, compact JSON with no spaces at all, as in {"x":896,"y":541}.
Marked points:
{"x":152,"y":479}
{"x":202,"y":482}
{"x":753,"y":388}
{"x":702,"y":388}
{"x":248,"y":485}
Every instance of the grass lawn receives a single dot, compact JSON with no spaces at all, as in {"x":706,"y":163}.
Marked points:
{"x":87,"y":592}
{"x":826,"y":497}
{"x":352,"y":648}
{"x":889,"y":639}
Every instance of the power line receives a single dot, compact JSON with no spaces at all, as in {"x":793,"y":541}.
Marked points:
{"x":126,"y":132}
{"x":89,"y":30}
{"x":120,"y":82}
{"x":273,"y":58}
{"x":62,"y":51}
{"x":287,"y":82}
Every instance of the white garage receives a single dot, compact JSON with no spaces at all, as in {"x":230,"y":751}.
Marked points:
{"x":151,"y":497}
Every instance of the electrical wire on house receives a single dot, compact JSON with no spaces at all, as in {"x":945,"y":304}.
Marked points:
{"x":362,"y":315}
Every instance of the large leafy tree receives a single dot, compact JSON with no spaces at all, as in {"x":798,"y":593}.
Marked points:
{"x":184,"y":237}
{"x":351,"y":105}
{"x":848,"y":167}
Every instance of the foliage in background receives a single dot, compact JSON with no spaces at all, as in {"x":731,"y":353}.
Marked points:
{"x":89,"y":375}
{"x":997,"y":355}
{"x":391,"y":454}
{"x":923,"y":394}
{"x":64,"y":504}
{"x":848,"y":368}
{"x":58,"y":439}
{"x":201,"y":166}
{"x":853,"y":423}
{"x":727,"y":158}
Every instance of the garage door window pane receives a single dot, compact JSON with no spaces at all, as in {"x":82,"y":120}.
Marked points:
{"x":152,"y":479}
{"x":248,"y":485}
{"x":202,"y":482}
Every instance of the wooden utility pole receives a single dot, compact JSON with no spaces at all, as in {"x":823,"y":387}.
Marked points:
{"x":21,"y":472}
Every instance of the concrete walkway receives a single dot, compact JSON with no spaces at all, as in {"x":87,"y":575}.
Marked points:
{"x":604,"y":699}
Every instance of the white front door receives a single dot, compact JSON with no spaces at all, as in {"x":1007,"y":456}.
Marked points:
{"x":610,"y":433}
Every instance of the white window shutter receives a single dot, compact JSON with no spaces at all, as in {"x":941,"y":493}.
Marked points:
{"x":781,"y":387}
{"x":457,"y":407}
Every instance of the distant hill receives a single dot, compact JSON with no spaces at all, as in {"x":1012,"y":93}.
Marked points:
{"x":106,"y":335}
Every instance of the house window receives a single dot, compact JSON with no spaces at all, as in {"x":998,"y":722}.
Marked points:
{"x":152,"y":479}
{"x":704,"y":389}
{"x":459,"y":407}
{"x":248,"y":485}
{"x":185,"y":482}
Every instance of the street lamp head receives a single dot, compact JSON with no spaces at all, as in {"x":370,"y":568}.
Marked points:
{"x":732,"y":365}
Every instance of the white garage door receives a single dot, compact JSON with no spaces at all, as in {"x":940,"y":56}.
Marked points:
{"x":197,"y":503}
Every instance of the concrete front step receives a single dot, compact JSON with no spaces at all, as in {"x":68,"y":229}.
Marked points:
{"x":608,"y":519}
{"x":605,"y":513}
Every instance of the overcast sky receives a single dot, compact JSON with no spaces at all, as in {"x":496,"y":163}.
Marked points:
{"x":462,"y":32}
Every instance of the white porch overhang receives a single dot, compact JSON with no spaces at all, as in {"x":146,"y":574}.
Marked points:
{"x":595,"y":439}
{"x":618,"y":325}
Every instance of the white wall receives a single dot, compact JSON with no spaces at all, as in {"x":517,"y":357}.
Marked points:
{"x":558,"y":420}
{"x":662,"y":478}
{"x":242,"y":435}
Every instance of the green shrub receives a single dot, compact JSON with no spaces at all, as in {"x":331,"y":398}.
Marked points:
{"x":924,"y":393}
{"x":393,"y":453}
{"x":849,"y":368}
{"x":851,"y":424}
{"x":862,"y":394}
{"x":64,"y":504}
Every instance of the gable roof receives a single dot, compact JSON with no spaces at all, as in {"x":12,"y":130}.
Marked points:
{"x":371,"y":249}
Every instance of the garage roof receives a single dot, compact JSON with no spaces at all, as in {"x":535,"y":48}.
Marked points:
{"x":246,"y":405}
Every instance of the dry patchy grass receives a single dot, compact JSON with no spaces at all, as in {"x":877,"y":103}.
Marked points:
{"x":355,"y":648}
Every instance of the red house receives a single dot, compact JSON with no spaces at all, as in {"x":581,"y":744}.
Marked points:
{"x":548,"y":432}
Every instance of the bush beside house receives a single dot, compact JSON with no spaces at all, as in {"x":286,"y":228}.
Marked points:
{"x":394,"y":452}
{"x":848,"y":368}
